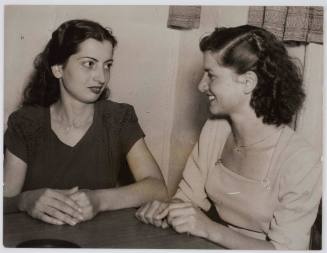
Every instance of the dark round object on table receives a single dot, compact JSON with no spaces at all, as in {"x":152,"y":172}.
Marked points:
{"x":47,"y":243}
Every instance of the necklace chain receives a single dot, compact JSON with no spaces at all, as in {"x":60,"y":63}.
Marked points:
{"x":69,"y":126}
{"x":238,"y":148}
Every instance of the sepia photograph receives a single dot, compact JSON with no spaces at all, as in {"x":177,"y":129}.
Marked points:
{"x":163,"y":126}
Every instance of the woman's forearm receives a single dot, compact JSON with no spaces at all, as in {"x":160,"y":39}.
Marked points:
{"x":231,"y":239}
{"x":132,"y":195}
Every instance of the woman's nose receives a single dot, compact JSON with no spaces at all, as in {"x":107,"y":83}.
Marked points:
{"x":100,"y":76}
{"x":203,"y":84}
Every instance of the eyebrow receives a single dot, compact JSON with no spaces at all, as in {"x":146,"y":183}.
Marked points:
{"x":94,"y":59}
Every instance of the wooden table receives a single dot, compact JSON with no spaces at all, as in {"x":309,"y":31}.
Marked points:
{"x":114,"y":229}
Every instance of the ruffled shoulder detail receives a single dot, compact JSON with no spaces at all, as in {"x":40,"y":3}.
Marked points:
{"x":29,"y":119}
{"x":119,"y":113}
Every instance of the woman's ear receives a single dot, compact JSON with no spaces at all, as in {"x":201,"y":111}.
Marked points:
{"x":57,"y":71}
{"x":249,"y":81}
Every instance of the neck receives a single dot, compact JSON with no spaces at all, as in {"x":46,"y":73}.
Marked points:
{"x":73,"y":113}
{"x":248,"y":129}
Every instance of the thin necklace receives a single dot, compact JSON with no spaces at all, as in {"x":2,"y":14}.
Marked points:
{"x":239,"y":148}
{"x":77,"y":124}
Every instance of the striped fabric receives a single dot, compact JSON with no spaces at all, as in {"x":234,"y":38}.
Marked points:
{"x":290,"y":23}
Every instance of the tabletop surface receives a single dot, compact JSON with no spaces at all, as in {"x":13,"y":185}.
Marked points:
{"x":113,"y":229}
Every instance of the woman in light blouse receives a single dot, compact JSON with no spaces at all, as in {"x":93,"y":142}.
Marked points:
{"x":262,"y":177}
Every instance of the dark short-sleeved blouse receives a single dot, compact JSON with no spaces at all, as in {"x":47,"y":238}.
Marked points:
{"x":93,"y":163}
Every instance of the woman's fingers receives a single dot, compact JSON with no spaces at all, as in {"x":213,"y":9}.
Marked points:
{"x":164,"y":224}
{"x":157,"y":223}
{"x":140,"y":213}
{"x":176,"y":219}
{"x":60,"y":206}
{"x":186,"y":210}
{"x":148,"y":213}
{"x":81,"y":199}
{"x":163,"y":213}
{"x":66,"y":209}
{"x":151,"y":210}
{"x":51,"y":206}
{"x":46,"y":218}
{"x":88,"y":202}
{"x":64,"y":204}
{"x":171,"y":206}
{"x":65,"y":199}
{"x":58,"y":215}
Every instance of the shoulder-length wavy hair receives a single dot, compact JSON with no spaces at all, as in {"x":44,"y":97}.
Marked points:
{"x":278,"y":94}
{"x":43,"y":87}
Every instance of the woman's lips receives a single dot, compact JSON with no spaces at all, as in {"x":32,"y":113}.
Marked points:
{"x":96,"y":90}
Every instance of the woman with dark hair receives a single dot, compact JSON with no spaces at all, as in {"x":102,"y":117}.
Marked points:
{"x":263,"y":179}
{"x":66,"y":146}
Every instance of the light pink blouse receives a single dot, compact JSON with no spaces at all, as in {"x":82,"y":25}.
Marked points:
{"x":281,"y":207}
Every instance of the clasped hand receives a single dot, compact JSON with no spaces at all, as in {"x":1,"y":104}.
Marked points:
{"x":184,"y":217}
{"x":60,"y":206}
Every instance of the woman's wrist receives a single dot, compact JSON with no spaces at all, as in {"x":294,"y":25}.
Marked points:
{"x":213,"y":231}
{"x":101,"y":199}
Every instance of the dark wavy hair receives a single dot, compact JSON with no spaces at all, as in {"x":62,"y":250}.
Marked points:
{"x":279,"y":94}
{"x":43,"y":87}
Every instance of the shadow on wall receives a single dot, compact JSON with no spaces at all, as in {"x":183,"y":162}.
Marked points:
{"x":191,"y":109}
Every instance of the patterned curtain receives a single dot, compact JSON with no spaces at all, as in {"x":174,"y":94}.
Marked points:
{"x":290,"y":23}
{"x":184,"y":17}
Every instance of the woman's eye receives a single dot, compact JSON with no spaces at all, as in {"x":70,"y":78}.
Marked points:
{"x":88,"y":64}
{"x":108,"y":66}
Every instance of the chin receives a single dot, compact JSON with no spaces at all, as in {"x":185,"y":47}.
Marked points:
{"x":90,"y":100}
{"x":217,"y":113}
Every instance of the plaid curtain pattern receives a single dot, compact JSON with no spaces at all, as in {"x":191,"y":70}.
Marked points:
{"x":290,"y":23}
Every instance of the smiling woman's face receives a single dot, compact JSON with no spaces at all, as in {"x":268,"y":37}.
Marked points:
{"x":86,"y":73}
{"x":221,"y":86}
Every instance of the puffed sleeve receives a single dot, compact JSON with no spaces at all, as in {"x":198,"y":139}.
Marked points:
{"x":14,"y":139}
{"x":192,"y":186}
{"x":131,"y":131}
{"x":299,"y":196}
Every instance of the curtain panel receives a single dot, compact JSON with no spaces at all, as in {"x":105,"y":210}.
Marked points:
{"x":290,"y":23}
{"x":184,"y":17}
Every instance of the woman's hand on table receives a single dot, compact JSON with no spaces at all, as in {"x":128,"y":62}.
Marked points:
{"x":51,"y":206}
{"x":155,"y":212}
{"x":184,"y":217}
{"x":187,"y":218}
{"x":149,"y":213}
{"x":88,"y":202}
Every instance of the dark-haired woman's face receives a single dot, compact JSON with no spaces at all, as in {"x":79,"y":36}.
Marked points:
{"x":86,"y":73}
{"x":222,"y":87}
